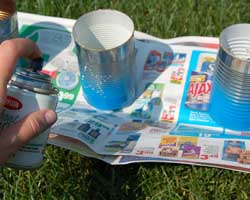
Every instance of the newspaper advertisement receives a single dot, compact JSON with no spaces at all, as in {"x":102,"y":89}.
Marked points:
{"x":168,"y":122}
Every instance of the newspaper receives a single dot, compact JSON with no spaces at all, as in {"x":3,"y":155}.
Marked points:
{"x":169,"y":120}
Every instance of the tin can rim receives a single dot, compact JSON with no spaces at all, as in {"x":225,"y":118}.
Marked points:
{"x":35,"y":75}
{"x":52,"y":90}
{"x":223,"y":36}
{"x":100,"y":11}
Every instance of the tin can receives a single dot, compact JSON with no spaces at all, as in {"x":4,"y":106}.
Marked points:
{"x":106,"y":55}
{"x":8,"y":20}
{"x":230,"y":94}
{"x":28,"y":91}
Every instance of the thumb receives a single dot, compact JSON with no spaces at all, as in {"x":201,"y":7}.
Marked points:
{"x":24,"y":130}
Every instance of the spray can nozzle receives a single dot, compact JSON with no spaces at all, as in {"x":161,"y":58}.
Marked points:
{"x":36,"y":64}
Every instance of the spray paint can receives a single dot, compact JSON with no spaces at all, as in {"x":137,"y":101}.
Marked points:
{"x":28,"y":91}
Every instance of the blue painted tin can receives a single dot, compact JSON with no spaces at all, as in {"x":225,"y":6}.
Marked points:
{"x":106,"y":55}
{"x":230,"y":94}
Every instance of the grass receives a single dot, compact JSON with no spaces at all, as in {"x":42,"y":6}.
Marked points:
{"x":66,"y":175}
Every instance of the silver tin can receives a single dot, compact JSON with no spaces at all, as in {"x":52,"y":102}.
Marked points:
{"x":28,"y":91}
{"x":8,"y":20}
{"x":106,"y":55}
{"x":230,"y":94}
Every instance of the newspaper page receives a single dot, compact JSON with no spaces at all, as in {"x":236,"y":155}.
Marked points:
{"x":168,"y":122}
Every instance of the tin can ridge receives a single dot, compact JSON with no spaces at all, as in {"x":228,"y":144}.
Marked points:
{"x":230,"y":94}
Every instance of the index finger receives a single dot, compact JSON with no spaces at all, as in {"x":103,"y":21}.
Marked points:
{"x":10,"y":52}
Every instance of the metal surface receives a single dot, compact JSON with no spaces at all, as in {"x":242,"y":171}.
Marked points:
{"x":234,"y":49}
{"x":28,"y":91}
{"x":230,"y":95}
{"x":106,"y":55}
{"x":34,"y":81}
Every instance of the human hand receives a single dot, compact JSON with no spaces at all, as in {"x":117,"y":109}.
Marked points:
{"x":17,"y":135}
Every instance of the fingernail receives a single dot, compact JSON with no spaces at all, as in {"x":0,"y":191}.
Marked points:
{"x":50,"y":116}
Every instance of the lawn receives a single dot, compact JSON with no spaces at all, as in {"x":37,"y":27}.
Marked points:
{"x":67,"y":175}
